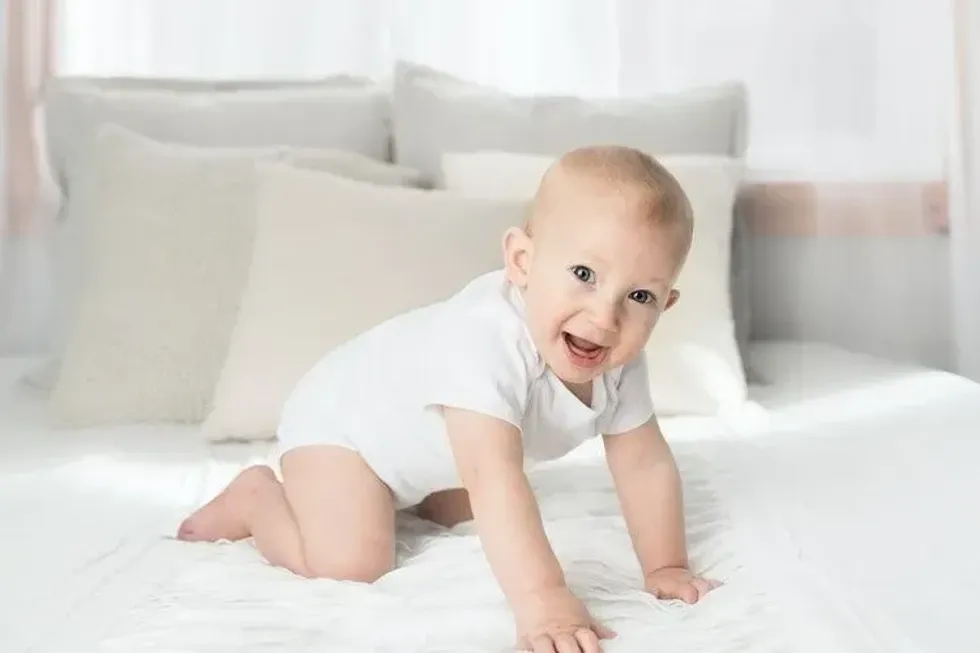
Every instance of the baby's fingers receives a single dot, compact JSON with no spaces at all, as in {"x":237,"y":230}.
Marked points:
{"x":575,"y":643}
{"x":564,"y":643}
{"x":543,"y":644}
{"x":588,"y":639}
{"x":689,"y":592}
{"x":602,"y":631}
{"x":704,"y":586}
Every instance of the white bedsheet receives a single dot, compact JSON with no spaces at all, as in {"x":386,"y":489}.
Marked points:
{"x":839,"y":507}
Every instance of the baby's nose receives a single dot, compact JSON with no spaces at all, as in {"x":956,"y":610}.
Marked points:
{"x":604,"y":316}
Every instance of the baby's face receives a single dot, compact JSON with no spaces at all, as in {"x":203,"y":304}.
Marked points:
{"x":598,"y":279}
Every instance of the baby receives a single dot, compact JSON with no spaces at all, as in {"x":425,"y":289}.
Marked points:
{"x":520,"y":366}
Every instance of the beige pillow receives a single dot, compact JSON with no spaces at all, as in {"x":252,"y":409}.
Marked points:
{"x":332,"y":258}
{"x":166,"y":235}
{"x":695,"y":364}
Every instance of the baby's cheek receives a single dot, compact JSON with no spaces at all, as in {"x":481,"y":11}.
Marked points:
{"x":631,"y":342}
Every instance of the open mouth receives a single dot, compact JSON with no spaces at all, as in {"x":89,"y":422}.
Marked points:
{"x":582,"y":352}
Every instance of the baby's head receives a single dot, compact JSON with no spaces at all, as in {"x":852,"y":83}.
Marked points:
{"x":609,"y":231}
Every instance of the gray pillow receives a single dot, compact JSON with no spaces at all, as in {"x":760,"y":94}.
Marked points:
{"x":434,"y":113}
{"x":341,"y":112}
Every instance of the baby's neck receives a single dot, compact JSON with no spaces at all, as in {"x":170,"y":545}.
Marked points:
{"x":581,"y":390}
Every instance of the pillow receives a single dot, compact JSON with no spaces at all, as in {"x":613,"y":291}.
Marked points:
{"x":332,"y":258}
{"x":166,"y":234}
{"x":340,"y":112}
{"x":695,"y":365}
{"x":434,"y":113}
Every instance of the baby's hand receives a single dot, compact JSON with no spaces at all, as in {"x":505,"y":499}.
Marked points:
{"x":678,"y":583}
{"x":556,"y":620}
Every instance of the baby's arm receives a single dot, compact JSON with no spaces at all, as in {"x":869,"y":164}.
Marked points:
{"x":650,"y":492}
{"x":489,"y":456}
{"x":649,"y":489}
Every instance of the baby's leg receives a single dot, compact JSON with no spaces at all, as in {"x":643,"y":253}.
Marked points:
{"x":447,"y":507}
{"x":332,"y":517}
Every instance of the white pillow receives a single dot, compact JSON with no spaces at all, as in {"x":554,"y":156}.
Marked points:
{"x":695,"y":366}
{"x":332,"y":258}
{"x":166,"y":233}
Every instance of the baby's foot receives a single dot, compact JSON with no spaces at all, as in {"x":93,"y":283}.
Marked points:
{"x":224,"y":517}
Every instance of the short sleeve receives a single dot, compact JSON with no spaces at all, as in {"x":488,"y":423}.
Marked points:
{"x":634,"y":405}
{"x":482,"y":369}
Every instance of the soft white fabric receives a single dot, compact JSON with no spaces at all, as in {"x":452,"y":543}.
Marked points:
{"x":694,"y":359}
{"x":861,"y":111}
{"x":381,"y":393}
{"x":333,"y":258}
{"x":965,"y":196}
{"x":810,"y":566}
{"x":166,"y":238}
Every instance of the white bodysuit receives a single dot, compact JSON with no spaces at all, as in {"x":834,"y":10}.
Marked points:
{"x":380,"y":394}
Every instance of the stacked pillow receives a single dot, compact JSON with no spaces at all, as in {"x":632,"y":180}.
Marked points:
{"x":339,"y":112}
{"x":231,"y":234}
{"x":167,"y":234}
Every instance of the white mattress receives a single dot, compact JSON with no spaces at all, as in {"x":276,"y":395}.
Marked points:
{"x":839,"y":507}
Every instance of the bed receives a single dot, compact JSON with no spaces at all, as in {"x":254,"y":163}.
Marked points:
{"x":838,"y":507}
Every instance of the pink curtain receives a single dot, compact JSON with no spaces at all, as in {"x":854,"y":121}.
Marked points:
{"x":27,"y":203}
{"x":27,"y":57}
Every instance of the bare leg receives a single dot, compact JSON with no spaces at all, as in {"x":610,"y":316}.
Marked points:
{"x":446,"y":508}
{"x":331,"y":518}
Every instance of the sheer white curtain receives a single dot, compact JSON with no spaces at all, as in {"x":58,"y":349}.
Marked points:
{"x":845,"y":94}
{"x":965,"y":223}
{"x":840,"y":88}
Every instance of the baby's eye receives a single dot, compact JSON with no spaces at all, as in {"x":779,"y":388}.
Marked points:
{"x":584,"y":274}
{"x":642,"y":297}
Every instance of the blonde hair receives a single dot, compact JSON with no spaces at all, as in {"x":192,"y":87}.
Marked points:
{"x":653,"y":191}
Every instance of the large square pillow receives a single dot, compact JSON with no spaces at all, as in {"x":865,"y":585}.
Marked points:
{"x":333,"y":258}
{"x":166,"y":236}
{"x":695,"y":364}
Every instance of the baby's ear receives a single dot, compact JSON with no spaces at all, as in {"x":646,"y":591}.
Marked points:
{"x":518,"y":249}
{"x":672,"y":298}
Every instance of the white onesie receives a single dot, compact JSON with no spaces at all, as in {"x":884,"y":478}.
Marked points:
{"x":380,"y":393}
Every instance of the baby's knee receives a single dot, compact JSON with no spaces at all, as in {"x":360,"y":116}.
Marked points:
{"x":360,"y":569}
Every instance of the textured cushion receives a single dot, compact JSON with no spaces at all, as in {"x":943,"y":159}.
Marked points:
{"x":695,"y":365}
{"x":435,"y":113}
{"x":166,"y":241}
{"x":333,"y":258}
